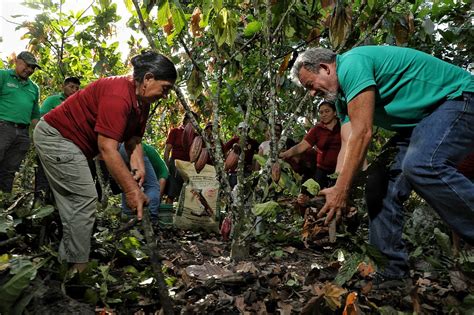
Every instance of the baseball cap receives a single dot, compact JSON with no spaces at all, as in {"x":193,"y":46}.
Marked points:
{"x":28,"y":57}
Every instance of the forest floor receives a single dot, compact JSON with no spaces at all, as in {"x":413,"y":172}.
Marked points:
{"x":283,"y":278}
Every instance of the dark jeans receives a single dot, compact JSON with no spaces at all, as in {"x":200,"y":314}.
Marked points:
{"x":14,"y":143}
{"x":41,"y":182}
{"x":174,"y":184}
{"x":322,"y":177}
{"x":425,"y":162}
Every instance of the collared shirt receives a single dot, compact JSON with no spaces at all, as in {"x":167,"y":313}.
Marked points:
{"x":328,"y":145}
{"x":175,"y":138}
{"x":108,"y":107}
{"x":52,"y":102}
{"x":409,"y":83}
{"x":18,"y":98}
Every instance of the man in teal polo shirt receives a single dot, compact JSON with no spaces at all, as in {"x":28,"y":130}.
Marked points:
{"x":430,"y":104}
{"x":18,"y":109}
{"x":70,"y":86}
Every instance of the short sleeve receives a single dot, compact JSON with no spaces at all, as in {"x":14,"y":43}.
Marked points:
{"x":312,"y":136}
{"x":112,"y":116}
{"x":35,"y":114}
{"x":355,"y":73}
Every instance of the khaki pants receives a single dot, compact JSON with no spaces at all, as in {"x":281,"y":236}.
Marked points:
{"x":74,"y":191}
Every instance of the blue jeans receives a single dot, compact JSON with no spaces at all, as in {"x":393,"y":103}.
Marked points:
{"x":151,"y":186}
{"x":426,"y":162}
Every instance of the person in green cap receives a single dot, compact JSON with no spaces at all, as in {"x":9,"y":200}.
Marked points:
{"x":70,"y":86}
{"x":18,"y":110}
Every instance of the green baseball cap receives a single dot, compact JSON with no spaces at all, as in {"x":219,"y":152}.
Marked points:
{"x":28,"y":57}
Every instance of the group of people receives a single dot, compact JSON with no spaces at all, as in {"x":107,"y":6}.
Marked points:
{"x":427,"y":102}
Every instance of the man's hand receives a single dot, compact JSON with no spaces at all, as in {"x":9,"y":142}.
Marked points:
{"x":336,"y":201}
{"x":135,"y":200}
{"x":139,"y":176}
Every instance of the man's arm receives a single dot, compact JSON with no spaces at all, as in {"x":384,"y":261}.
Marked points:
{"x":137,"y":163}
{"x":134,"y":196}
{"x":166,"y":154}
{"x":345,"y":133}
{"x":361,"y":114}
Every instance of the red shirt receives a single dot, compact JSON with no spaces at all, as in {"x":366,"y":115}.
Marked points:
{"x":328,"y":144}
{"x":250,"y":150}
{"x":108,"y":107}
{"x":175,"y":138}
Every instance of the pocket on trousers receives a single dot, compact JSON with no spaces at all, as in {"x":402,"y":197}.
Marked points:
{"x":56,"y":164}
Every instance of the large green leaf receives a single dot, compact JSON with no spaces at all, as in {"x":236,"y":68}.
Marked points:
{"x":349,"y":268}
{"x":252,"y":28}
{"x":268,"y":209}
{"x":12,"y":290}
{"x":312,"y":186}
{"x":41,"y":212}
{"x":194,"y":84}
{"x":443,"y":241}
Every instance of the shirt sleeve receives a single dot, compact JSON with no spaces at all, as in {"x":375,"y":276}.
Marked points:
{"x":171,"y":137}
{"x":112,"y":116}
{"x":47,"y":106}
{"x":35,"y":114}
{"x":159,"y":166}
{"x":312,"y":136}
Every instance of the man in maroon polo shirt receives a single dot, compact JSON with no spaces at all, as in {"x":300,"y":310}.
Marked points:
{"x":174,"y":146}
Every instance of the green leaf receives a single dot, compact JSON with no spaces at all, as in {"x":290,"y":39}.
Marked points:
{"x":164,"y":12}
{"x":11,"y":290}
{"x":6,"y":224}
{"x":41,"y":212}
{"x":312,"y":186}
{"x":194,"y":84}
{"x":268,"y":209}
{"x":348,"y":270}
{"x":252,"y":28}
{"x":261,"y":160}
{"x":218,"y":5}
{"x":371,"y":4}
{"x":443,"y":241}
{"x":129,"y":5}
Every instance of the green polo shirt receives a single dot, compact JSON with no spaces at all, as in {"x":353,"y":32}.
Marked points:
{"x":161,"y":170}
{"x":409,"y":83}
{"x":52,"y":102}
{"x":18,"y":98}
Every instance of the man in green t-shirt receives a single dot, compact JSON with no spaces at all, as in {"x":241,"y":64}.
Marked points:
{"x":70,"y":86}
{"x":18,"y":109}
{"x":430,"y":104}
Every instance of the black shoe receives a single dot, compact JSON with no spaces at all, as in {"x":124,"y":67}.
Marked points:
{"x":381,"y":282}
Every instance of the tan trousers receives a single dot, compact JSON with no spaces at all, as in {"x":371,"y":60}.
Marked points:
{"x":74,"y":191}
